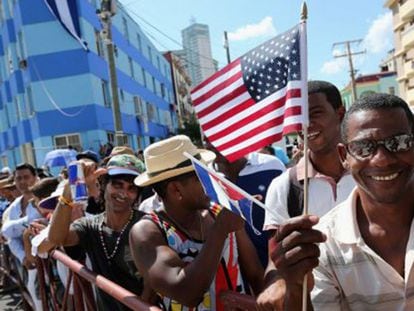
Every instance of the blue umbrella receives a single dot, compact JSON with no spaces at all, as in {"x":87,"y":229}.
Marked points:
{"x":59,"y":157}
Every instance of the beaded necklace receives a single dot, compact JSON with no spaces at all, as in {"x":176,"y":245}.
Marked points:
{"x":118,"y":240}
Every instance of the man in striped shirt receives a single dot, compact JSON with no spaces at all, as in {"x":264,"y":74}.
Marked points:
{"x":367,"y":242}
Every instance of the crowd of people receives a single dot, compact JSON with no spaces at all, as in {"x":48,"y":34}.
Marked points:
{"x":149,"y":226}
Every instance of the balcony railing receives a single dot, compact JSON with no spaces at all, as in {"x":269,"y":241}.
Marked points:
{"x":409,"y":68}
{"x":407,"y":39}
{"x":407,"y":10}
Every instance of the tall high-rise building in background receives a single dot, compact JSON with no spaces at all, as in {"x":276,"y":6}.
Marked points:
{"x":197,"y":50}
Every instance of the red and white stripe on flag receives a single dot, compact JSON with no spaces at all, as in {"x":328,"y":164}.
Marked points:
{"x":238,"y":121}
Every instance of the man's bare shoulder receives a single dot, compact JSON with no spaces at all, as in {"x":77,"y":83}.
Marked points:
{"x":145,"y":230}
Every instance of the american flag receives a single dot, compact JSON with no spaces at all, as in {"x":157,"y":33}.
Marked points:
{"x":256,"y":99}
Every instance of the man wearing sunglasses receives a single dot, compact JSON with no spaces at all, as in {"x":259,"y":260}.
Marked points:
{"x":367,"y":242}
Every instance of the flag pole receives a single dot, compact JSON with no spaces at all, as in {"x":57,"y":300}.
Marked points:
{"x":304,"y":72}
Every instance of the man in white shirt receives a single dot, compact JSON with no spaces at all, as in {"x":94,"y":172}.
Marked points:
{"x":365,"y":245}
{"x":329,"y":182}
{"x":21,"y":211}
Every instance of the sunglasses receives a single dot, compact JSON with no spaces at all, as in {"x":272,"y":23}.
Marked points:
{"x":364,"y":148}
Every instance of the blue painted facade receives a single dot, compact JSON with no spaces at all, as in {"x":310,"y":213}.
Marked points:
{"x":52,"y":90}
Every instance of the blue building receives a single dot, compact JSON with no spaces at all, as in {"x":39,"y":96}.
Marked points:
{"x":54,"y":93}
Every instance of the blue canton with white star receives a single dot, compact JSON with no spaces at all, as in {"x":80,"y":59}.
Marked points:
{"x":268,"y":68}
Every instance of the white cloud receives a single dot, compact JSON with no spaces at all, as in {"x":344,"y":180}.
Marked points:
{"x":263,"y":28}
{"x":334,"y":66}
{"x":377,"y":40}
{"x":379,"y":36}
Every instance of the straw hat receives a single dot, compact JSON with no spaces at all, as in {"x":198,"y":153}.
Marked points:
{"x":165,"y":159}
{"x":7,"y":183}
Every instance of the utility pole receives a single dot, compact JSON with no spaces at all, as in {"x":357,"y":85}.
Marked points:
{"x":227,"y":47}
{"x":349,"y":54}
{"x":108,"y":9}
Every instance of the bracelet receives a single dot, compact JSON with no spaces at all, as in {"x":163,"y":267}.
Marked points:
{"x":65,"y":201}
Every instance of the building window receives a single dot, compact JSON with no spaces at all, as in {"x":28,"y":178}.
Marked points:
{"x":19,"y":113}
{"x":4,"y":161}
{"x":154,"y":85}
{"x":127,"y":139}
{"x":158,"y":63}
{"x":12,"y":3}
{"x":125,"y":28}
{"x":21,"y":45}
{"x":138,"y":105}
{"x":139,"y":42}
{"x":99,"y":44}
{"x":162,"y":90}
{"x":6,"y":110}
{"x":151,"y":112}
{"x":122,"y":95}
{"x":131,"y":67}
{"x":149,"y":53}
{"x":1,"y":13}
{"x":10,"y":60}
{"x":140,"y":143}
{"x":64,"y":141}
{"x":105,"y":93}
{"x":29,"y":101}
{"x":144,"y":77}
{"x":110,"y":137}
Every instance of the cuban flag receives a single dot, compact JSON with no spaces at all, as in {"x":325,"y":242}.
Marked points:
{"x":66,"y":12}
{"x":225,"y":193}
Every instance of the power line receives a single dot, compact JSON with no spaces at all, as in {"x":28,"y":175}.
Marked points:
{"x":167,"y":36}
{"x":185,"y":60}
{"x":170,"y":38}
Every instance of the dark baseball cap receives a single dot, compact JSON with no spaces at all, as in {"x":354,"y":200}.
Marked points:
{"x":88,"y":154}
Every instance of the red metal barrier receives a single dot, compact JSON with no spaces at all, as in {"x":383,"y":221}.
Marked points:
{"x":82,"y":279}
{"x":8,"y":268}
{"x":119,"y":293}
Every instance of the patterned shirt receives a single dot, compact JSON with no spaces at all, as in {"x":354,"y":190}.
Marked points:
{"x":351,"y":276}
{"x":228,"y":276}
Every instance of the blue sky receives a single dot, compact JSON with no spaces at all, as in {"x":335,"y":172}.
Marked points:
{"x":250,"y":22}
